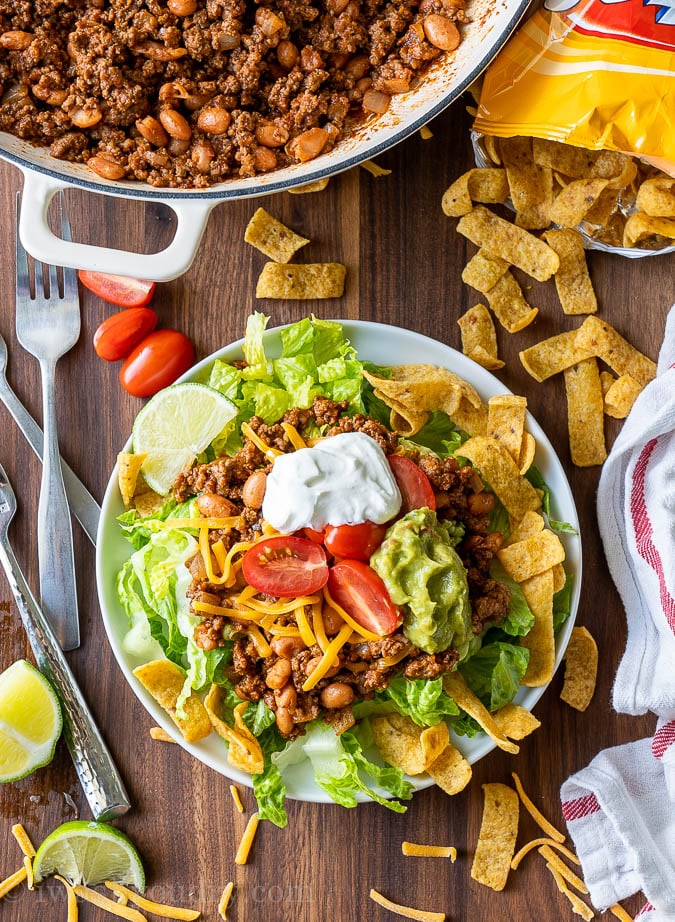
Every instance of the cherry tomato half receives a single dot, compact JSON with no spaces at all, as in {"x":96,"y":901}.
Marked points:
{"x":357,"y":542}
{"x":316,"y":537}
{"x":363,"y":595}
{"x":156,"y":362}
{"x":119,"y":333}
{"x":415,"y":487}
{"x":118,"y":289}
{"x":285,"y":566}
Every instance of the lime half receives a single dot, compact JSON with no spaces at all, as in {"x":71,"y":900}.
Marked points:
{"x":175,"y":426}
{"x":30,"y":721}
{"x":89,"y":853}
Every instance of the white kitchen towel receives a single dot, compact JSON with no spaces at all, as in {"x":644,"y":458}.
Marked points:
{"x":636,"y":515}
{"x":620,"y":810}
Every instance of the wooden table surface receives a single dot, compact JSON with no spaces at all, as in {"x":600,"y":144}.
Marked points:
{"x":404,"y":262}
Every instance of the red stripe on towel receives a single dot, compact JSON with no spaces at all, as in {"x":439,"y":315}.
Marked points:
{"x":663,"y":738}
{"x":645,"y":909}
{"x":644,"y":531}
{"x":580,"y":807}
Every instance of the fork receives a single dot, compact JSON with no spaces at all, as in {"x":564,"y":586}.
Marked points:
{"x":47,"y":326}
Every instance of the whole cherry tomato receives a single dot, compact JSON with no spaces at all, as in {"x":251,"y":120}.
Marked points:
{"x":119,"y":333}
{"x":118,"y":289}
{"x":355,"y":541}
{"x":415,"y":487}
{"x":360,"y":591}
{"x":285,"y":566}
{"x":156,"y":362}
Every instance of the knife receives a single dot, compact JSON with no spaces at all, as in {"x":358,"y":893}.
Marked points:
{"x":98,"y":775}
{"x":82,"y":504}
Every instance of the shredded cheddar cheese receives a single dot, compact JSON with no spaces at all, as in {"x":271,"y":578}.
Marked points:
{"x":23,"y":839}
{"x":269,"y":452}
{"x":28,"y":865}
{"x":293,"y":436}
{"x":247,"y":840}
{"x":328,"y":658}
{"x":362,"y":631}
{"x":117,"y":909}
{"x":429,"y":851}
{"x":224,"y":902}
{"x":208,"y":608}
{"x":73,"y":911}
{"x":236,"y":797}
{"x":408,"y":912}
{"x":284,"y":630}
{"x":396,"y":658}
{"x":158,"y":909}
{"x":319,"y":627}
{"x":160,"y":734}
{"x":303,"y":626}
{"x":261,"y":645}
{"x":533,"y":843}
{"x":9,"y":883}
{"x":536,"y":815}
{"x":277,"y":608}
{"x":578,"y":905}
{"x":555,"y":861}
{"x":220,"y":522}
{"x":618,"y":911}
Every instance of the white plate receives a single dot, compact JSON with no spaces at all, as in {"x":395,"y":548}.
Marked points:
{"x":384,"y":345}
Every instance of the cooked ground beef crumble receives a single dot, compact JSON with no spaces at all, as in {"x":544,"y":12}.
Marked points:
{"x":187,"y":93}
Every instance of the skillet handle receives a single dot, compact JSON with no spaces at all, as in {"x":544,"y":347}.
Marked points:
{"x":169,"y":263}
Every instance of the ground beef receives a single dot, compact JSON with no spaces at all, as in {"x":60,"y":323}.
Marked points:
{"x":430,"y":665}
{"x":197,"y":91}
{"x":387,"y":440}
{"x":224,"y":476}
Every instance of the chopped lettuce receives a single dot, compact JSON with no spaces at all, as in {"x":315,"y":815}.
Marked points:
{"x":423,"y":700}
{"x":562,"y":603}
{"x":440,"y":435}
{"x":340,"y":767}
{"x":519,"y":619}
{"x":535,"y":477}
{"x":495,"y":671}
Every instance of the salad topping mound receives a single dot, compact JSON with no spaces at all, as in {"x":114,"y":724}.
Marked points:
{"x":365,"y":664}
{"x":386,"y":591}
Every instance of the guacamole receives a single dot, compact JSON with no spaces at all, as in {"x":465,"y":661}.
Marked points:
{"x":424,"y":575}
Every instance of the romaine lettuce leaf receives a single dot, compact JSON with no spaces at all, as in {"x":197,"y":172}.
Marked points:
{"x":423,"y":700}
{"x":535,"y":477}
{"x":562,"y":603}
{"x":519,"y":619}
{"x":494,"y":672}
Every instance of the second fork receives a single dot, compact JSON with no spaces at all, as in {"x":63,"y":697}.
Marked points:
{"x":48,"y":326}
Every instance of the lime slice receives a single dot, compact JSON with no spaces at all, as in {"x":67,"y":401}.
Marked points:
{"x":30,"y":721}
{"x":89,"y":853}
{"x":175,"y":426}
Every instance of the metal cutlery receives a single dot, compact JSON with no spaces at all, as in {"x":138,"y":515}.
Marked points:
{"x":82,"y":504}
{"x":47,"y":326}
{"x":98,"y":775}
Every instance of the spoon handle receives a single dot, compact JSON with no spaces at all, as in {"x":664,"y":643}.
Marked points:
{"x":98,"y":775}
{"x":82,"y":504}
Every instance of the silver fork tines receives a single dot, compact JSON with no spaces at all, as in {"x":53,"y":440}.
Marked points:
{"x":47,"y":326}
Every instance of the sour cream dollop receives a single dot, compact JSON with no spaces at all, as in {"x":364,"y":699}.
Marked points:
{"x":345,"y":479}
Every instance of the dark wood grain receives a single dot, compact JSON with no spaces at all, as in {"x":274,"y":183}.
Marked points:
{"x":404,"y":261}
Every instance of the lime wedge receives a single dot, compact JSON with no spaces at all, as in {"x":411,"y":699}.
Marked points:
{"x":175,"y":426}
{"x":88,"y":853}
{"x":30,"y":721}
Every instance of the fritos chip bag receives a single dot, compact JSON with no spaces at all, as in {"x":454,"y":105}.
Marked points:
{"x":597,"y":74}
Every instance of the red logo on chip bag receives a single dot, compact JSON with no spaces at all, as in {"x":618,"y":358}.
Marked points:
{"x":644,"y":22}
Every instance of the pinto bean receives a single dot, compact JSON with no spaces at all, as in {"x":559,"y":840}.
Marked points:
{"x":480,"y":503}
{"x":286,"y":697}
{"x":15,"y":40}
{"x":151,"y":129}
{"x":175,"y":124}
{"x":284,"y":720}
{"x":265,"y":159}
{"x":86,"y":117}
{"x":214,"y":120}
{"x":253,"y":491}
{"x":307,"y":145}
{"x":182,"y":7}
{"x":287,"y":647}
{"x":337,"y":695}
{"x":271,"y":135}
{"x":105,"y":168}
{"x":287,"y":54}
{"x":441,"y":32}
{"x":211,"y":505}
{"x":279,"y":673}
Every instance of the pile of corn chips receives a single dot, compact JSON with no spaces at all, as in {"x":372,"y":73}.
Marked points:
{"x":281,"y":279}
{"x":588,"y":186}
{"x":613,"y":198}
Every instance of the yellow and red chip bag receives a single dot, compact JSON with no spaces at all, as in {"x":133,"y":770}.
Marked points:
{"x":597,"y":74}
